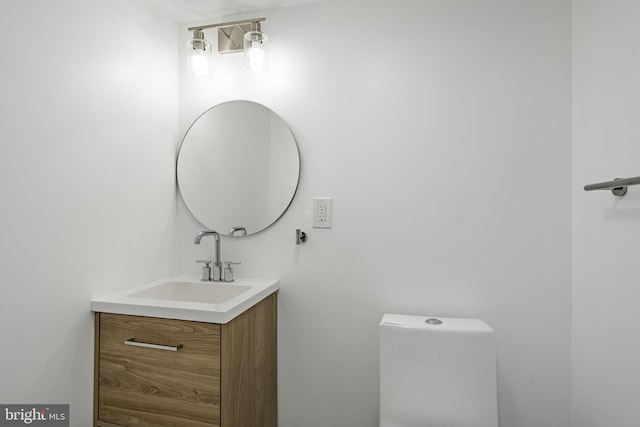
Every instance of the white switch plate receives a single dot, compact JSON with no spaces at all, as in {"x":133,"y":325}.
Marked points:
{"x":322,"y":212}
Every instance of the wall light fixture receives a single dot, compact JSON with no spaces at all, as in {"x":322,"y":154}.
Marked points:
{"x":238,"y":36}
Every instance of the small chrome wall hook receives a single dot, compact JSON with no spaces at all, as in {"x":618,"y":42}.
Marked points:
{"x":301,"y":237}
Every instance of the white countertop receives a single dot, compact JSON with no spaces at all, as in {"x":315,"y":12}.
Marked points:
{"x":124,"y":302}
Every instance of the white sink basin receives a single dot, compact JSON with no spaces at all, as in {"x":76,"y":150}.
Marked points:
{"x":187,"y":298}
{"x":192,"y":292}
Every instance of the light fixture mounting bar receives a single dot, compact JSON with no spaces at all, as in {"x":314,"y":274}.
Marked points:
{"x":231,"y":34}
{"x":228,"y":24}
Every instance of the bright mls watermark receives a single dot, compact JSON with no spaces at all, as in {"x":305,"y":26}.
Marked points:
{"x":35,"y":415}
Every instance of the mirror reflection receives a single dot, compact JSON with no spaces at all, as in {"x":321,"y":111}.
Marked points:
{"x":238,"y":168}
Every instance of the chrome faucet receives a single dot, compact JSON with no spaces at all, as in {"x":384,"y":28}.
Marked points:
{"x":212,"y":270}
{"x":241,"y":229}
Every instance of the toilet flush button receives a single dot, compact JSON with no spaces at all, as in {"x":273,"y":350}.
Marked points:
{"x":433,"y":321}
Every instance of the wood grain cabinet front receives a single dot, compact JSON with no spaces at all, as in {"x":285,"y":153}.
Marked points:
{"x":165,"y":372}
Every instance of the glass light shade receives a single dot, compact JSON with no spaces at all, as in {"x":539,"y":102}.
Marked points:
{"x":255,"y":52}
{"x":199,"y":57}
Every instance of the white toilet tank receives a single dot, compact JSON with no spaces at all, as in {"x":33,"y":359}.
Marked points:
{"x":437,"y":375}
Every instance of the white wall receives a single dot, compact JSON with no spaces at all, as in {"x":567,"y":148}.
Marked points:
{"x":441,"y":129}
{"x":606,"y":229}
{"x":88,"y":120}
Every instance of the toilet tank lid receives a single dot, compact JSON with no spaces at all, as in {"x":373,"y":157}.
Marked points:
{"x":448,"y":324}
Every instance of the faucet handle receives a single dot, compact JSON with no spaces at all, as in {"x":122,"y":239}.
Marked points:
{"x":228,"y":270}
{"x":206,"y":269}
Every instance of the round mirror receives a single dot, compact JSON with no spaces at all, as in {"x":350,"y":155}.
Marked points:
{"x":238,"y":168}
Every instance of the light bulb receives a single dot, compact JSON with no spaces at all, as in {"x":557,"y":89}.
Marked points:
{"x":199,"y":55}
{"x":199,"y":65}
{"x":255,"y":57}
{"x":255,"y":51}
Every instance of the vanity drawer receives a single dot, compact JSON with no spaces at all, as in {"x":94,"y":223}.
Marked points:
{"x":174,"y":381}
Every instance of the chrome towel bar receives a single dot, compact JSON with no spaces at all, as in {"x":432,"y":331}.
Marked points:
{"x":618,"y":186}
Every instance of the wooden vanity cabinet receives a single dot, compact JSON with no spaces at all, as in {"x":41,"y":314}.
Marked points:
{"x":199,"y":375}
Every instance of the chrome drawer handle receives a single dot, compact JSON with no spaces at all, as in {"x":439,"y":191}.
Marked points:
{"x":135,"y":343}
